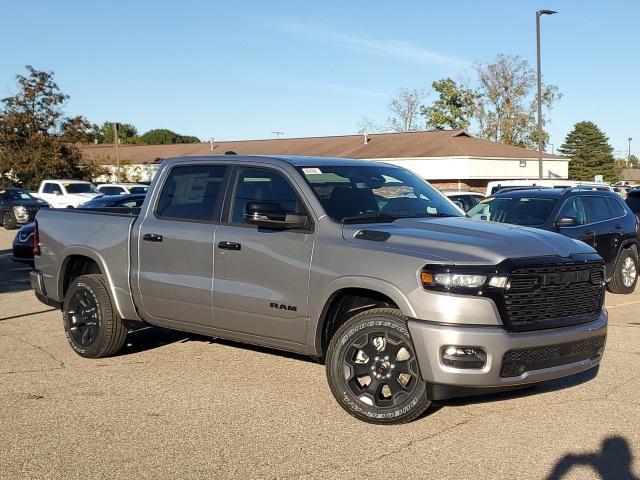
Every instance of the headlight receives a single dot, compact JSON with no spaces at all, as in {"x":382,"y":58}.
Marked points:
{"x":20,"y":211}
{"x":453,"y":280}
{"x":447,"y":279}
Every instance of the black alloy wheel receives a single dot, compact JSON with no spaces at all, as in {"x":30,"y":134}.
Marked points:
{"x":373,"y":370}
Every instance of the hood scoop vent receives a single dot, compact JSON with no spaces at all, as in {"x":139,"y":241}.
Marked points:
{"x":372,"y":235}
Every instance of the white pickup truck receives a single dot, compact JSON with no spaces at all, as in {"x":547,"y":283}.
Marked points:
{"x":66,"y":193}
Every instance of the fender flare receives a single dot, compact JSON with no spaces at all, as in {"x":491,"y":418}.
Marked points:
{"x":318,"y":310}
{"x":80,"y":250}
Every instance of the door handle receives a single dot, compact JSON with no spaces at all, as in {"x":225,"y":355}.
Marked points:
{"x":229,"y":246}
{"x":152,"y":237}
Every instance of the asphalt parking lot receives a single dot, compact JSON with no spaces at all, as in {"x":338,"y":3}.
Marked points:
{"x":181,"y":406}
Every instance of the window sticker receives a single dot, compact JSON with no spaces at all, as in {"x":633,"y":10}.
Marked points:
{"x":312,"y":171}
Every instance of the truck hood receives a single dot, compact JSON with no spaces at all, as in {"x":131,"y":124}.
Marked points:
{"x":459,"y":240}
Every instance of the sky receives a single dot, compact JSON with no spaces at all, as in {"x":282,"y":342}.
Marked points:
{"x":233,"y":70}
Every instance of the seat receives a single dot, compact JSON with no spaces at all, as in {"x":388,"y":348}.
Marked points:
{"x":347,"y":201}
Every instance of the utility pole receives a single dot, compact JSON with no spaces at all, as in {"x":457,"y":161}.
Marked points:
{"x":277,"y":134}
{"x":115,"y":140}
{"x":629,"y":155}
{"x":539,"y":13}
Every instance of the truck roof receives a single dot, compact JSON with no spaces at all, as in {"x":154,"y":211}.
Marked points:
{"x":296,"y":161}
{"x":65,"y":180}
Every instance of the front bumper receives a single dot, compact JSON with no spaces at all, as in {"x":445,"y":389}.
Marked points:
{"x":431,"y":339}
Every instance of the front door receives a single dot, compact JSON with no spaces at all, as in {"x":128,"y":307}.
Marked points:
{"x":262,"y":275}
{"x":175,"y":245}
{"x":574,"y":208}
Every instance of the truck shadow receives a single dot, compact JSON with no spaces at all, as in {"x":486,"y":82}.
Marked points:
{"x":149,"y":338}
{"x":525,"y":391}
{"x":14,"y":276}
{"x":612,"y":462}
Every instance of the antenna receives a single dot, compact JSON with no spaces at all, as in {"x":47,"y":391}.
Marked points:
{"x":277,"y":134}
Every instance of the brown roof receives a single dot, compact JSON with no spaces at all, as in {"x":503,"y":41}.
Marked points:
{"x":442,"y":143}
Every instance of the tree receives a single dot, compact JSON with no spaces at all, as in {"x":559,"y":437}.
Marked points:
{"x":78,"y":130}
{"x":32,"y":144}
{"x":506,"y":107}
{"x":590,"y":153}
{"x":454,"y":107}
{"x":405,"y":109}
{"x":127,"y":133}
{"x":163,"y":136}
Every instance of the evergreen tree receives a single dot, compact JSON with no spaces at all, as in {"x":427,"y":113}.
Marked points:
{"x":590,"y":153}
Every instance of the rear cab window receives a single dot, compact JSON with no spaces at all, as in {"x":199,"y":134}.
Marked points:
{"x":192,"y":193}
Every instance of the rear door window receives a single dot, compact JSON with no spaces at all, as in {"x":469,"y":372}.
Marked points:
{"x":597,"y":209}
{"x":192,"y":192}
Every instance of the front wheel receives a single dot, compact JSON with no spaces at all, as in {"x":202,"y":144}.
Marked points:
{"x":373,"y":370}
{"x":625,"y":275}
{"x":9,"y":220}
{"x":91,"y":324}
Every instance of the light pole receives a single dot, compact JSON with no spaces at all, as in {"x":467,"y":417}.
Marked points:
{"x":539,"y":13}
{"x":629,"y":155}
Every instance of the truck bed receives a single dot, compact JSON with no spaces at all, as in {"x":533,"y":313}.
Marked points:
{"x":100,"y":234}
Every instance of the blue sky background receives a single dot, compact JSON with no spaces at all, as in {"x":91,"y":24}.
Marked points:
{"x":238,"y":70}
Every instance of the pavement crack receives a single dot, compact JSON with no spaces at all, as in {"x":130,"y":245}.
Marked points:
{"x":37,"y":347}
{"x":335,"y":468}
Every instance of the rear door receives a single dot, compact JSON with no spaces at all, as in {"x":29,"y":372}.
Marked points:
{"x":602,"y":222}
{"x":262,"y":275}
{"x":175,"y":245}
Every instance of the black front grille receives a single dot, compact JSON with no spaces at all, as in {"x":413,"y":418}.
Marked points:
{"x":551,"y":296}
{"x":517,"y":362}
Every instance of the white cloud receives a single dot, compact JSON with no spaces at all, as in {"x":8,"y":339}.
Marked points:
{"x":390,"y":48}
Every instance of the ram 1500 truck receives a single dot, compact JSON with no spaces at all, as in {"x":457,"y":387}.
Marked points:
{"x":360,"y":264}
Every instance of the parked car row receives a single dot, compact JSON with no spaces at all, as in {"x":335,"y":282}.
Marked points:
{"x":24,"y":240}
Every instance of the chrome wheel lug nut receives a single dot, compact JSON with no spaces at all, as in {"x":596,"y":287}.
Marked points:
{"x":388,"y":375}
{"x":393,"y":365}
{"x":387,"y":357}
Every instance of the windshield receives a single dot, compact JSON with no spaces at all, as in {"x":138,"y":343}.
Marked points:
{"x":382,"y":193}
{"x":80,"y":188}
{"x":13,"y":195}
{"x":517,"y":210}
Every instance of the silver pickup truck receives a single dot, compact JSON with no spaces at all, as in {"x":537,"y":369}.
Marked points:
{"x":360,"y":264}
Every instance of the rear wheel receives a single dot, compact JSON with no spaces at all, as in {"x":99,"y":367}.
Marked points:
{"x":91,"y":325}
{"x":373,"y":370}
{"x":625,"y":275}
{"x":9,"y":220}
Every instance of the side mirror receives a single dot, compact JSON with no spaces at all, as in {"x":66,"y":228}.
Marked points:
{"x":272,"y":215}
{"x":567,"y":222}
{"x":57,"y":192}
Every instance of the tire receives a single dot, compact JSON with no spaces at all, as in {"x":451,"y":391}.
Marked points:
{"x":9,"y":221}
{"x":625,"y":275}
{"x":376,"y":345}
{"x":91,"y":324}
